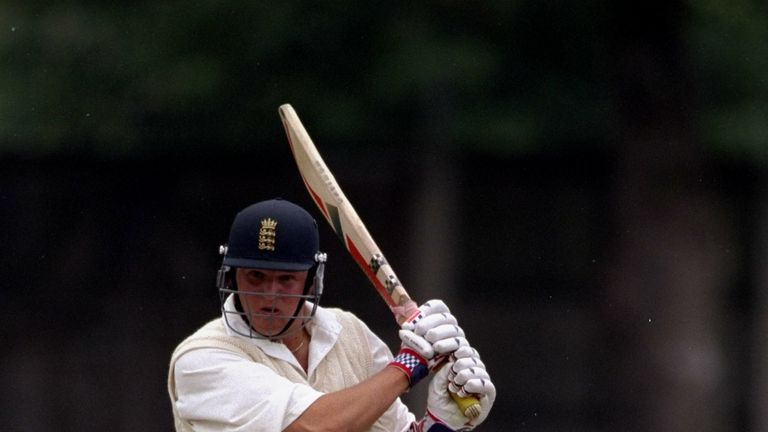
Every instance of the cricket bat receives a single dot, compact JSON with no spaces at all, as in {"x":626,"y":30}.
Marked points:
{"x":348,"y":226}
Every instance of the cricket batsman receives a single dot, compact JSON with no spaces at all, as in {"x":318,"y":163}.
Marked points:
{"x":275,"y":360}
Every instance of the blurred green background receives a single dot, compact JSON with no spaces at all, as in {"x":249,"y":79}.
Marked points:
{"x":583,"y":182}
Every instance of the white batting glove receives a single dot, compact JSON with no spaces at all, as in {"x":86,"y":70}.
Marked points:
{"x":465,"y":375}
{"x":433,"y":332}
{"x":427,"y":339}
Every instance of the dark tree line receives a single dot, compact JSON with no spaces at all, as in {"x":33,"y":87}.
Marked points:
{"x":584,"y":179}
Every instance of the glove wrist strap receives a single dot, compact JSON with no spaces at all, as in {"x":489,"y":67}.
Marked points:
{"x":410,"y":362}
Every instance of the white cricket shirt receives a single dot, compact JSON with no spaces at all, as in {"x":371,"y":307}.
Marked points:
{"x":219,"y":390}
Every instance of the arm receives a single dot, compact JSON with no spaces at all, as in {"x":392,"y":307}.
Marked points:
{"x":396,"y":416}
{"x":220,"y":390}
{"x":358,"y":407}
{"x":355,"y":408}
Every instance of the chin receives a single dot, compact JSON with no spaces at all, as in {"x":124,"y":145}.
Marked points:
{"x":270,"y":329}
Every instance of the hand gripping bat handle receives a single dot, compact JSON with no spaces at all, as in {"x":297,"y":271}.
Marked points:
{"x":468,"y":405}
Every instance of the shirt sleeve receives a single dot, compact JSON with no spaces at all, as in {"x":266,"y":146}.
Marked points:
{"x":221,"y":391}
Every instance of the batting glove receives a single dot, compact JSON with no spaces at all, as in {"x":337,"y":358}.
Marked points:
{"x":465,"y":375}
{"x":427,"y":339}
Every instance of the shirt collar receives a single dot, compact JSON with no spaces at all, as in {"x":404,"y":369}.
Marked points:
{"x":324,"y":329}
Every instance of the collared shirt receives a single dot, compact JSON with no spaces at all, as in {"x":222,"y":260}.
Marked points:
{"x":220,"y":390}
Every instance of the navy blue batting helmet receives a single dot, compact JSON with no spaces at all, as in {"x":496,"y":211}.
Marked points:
{"x":273,"y":235}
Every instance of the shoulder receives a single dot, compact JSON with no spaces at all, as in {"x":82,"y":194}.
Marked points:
{"x":351,"y":328}
{"x":211,"y":328}
{"x":204,"y":358}
{"x":211,"y":335}
{"x":337,"y":320}
{"x":342,"y":315}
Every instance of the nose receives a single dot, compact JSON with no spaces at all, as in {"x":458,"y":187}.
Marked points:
{"x":271,"y":286}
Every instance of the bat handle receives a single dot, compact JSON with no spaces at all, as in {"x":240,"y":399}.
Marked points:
{"x":468,"y":405}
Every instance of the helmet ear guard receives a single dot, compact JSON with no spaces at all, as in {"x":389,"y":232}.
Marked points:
{"x":319,"y":273}
{"x":221,"y":274}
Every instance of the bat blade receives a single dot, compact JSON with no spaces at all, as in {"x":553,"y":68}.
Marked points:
{"x":343,"y":218}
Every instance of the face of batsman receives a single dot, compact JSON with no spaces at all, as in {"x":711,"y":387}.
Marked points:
{"x":272,"y":266}
{"x":271,"y":300}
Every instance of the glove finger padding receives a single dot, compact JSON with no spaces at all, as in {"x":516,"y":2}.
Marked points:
{"x":465,"y":363}
{"x":478,"y":386}
{"x":462,"y":376}
{"x":430,"y":350}
{"x":442,"y":331}
{"x":431,"y":307}
{"x":441,"y":406}
{"x":429,"y":322}
{"x":449,"y":345}
{"x":467,"y":374}
{"x":417,"y":343}
{"x":433,"y":332}
{"x":470,"y":381}
{"x":466,"y":352}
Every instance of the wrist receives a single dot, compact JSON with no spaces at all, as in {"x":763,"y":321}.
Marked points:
{"x":411,"y":364}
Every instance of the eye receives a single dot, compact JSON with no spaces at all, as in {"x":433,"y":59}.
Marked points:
{"x":254,"y":275}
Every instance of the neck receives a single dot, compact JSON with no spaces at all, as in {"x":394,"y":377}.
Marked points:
{"x":296,"y":343}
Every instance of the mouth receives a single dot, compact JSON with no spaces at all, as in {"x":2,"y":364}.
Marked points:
{"x":270,"y":311}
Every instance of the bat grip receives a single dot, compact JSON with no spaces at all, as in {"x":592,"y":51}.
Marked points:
{"x":468,"y":405}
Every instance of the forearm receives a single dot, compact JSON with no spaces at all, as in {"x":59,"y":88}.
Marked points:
{"x":355,"y":408}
